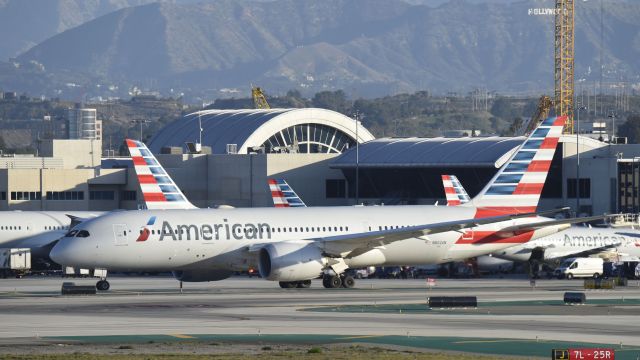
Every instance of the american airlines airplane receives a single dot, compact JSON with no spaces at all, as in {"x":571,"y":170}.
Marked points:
{"x":576,"y":241}
{"x":37,"y":230}
{"x":293,"y":246}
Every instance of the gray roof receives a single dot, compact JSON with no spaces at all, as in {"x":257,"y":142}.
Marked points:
{"x":246,"y":128}
{"x":431,"y":152}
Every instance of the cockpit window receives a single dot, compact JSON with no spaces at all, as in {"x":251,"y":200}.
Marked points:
{"x":83,"y":233}
{"x":71,"y":233}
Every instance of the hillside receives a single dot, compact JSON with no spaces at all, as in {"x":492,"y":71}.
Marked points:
{"x":369,"y":47}
{"x":30,"y":22}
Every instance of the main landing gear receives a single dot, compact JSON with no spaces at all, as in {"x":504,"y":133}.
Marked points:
{"x":103,"y":285}
{"x":295,"y":284}
{"x":337,"y":281}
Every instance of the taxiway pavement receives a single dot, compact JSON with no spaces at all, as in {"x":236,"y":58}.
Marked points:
{"x":32,"y":309}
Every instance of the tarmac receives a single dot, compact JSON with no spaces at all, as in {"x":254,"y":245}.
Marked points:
{"x":512,"y":318}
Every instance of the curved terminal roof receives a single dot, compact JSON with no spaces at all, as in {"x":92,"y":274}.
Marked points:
{"x":432,"y":152}
{"x":308,"y":129}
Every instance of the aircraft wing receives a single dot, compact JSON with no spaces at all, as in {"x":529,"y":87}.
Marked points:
{"x":351,"y":245}
{"x":584,"y":253}
{"x":543,"y":224}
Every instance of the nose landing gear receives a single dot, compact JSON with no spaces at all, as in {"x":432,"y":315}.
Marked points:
{"x":103,"y":285}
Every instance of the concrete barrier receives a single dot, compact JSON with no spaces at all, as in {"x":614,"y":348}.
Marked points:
{"x":453,"y":301}
{"x":70,"y":288}
{"x":575,"y":298}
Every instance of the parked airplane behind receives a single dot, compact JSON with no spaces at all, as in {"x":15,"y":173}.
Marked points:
{"x":577,"y":240}
{"x":283,"y":195}
{"x":295,"y":245}
{"x":37,"y":229}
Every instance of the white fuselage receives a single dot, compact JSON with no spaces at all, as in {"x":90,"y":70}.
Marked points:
{"x":33,"y":229}
{"x":575,"y":240}
{"x":223,"y":238}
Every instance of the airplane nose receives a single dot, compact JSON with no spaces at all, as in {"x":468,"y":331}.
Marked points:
{"x":61,"y":252}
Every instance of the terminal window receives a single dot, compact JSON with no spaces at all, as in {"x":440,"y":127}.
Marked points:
{"x":101,"y":195}
{"x":65,"y":195}
{"x":128,"y":195}
{"x":336,"y":188}
{"x":22,"y":195}
{"x":584,"y":185}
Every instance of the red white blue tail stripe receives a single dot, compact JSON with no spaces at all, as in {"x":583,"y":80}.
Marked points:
{"x":158,"y":189}
{"x":283,"y":195}
{"x":456,"y":194}
{"x":516,"y":188}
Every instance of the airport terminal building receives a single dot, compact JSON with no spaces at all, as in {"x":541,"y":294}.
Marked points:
{"x":224,"y":157}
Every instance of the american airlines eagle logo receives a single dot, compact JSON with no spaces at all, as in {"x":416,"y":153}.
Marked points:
{"x":144,"y":234}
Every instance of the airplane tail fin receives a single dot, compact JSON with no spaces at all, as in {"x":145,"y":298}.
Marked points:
{"x":283,"y":195}
{"x":158,"y":189}
{"x":456,"y":194}
{"x":517,"y":186}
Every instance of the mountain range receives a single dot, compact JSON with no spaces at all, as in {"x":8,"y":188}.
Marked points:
{"x":367,"y":47}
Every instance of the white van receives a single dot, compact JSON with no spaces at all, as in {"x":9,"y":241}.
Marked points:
{"x":580,"y":267}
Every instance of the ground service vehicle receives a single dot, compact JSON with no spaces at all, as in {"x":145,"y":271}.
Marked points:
{"x":580,"y":267}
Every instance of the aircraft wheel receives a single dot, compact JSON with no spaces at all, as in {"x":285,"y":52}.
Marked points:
{"x":335,"y":282}
{"x":348,"y":282}
{"x":569,"y":276}
{"x":103,"y":285}
{"x":326,"y":281}
{"x":305,"y":284}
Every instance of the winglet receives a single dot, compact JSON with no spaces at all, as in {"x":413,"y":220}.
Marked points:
{"x":283,"y":195}
{"x":158,"y":189}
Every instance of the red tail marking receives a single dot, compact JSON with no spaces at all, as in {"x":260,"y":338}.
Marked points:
{"x":560,"y":120}
{"x":146,"y":179}
{"x":528,"y":189}
{"x":549,"y":143}
{"x":154,"y":197}
{"x":280,"y":205}
{"x":138,"y":160}
{"x":131,"y":144}
{"x":539,"y":166}
{"x":449,"y":190}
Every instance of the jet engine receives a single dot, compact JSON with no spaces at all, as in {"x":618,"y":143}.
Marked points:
{"x":291,"y":261}
{"x":202,"y":275}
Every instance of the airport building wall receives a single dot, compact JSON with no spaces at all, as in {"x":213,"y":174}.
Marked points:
{"x":610,"y":179}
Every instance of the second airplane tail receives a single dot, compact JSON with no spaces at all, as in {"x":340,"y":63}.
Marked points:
{"x":283,"y":195}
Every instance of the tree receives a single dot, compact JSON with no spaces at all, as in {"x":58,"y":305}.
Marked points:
{"x":631,"y":129}
{"x":502,"y":108}
{"x":332,"y":100}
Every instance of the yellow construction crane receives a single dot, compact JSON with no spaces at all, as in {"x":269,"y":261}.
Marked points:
{"x":564,"y":61}
{"x":542,"y":112}
{"x":259,"y":100}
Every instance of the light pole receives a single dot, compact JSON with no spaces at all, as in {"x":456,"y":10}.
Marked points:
{"x":577,"y":129}
{"x":141,"y":122}
{"x":613,"y":116}
{"x":357,"y":117}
